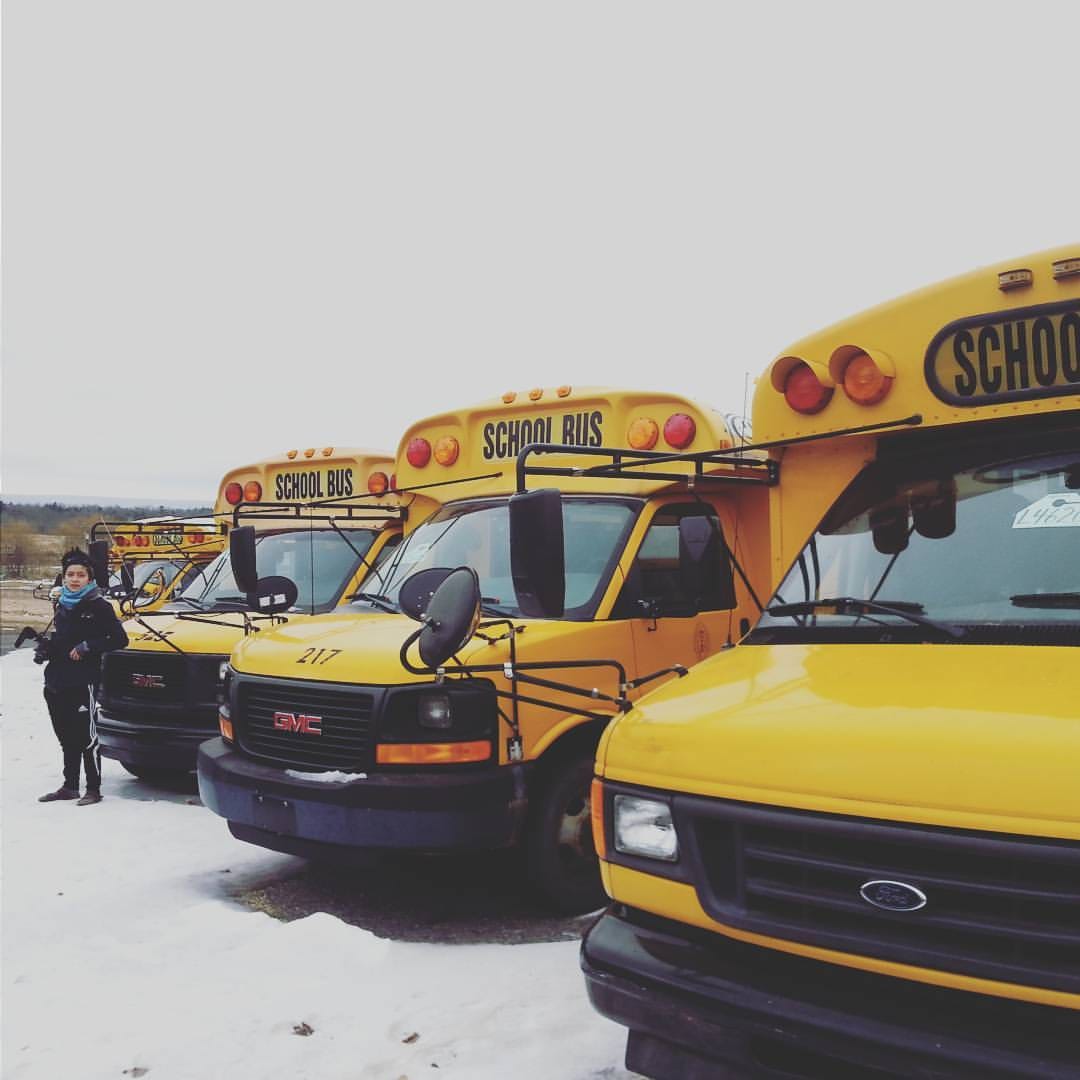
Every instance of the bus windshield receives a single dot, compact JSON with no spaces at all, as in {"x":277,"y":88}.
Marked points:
{"x":142,"y":571}
{"x":992,"y":544}
{"x":319,"y":562}
{"x":477,"y":534}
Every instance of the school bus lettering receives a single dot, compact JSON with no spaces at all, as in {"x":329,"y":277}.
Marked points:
{"x":507,"y":438}
{"x":1029,"y":353}
{"x":313,"y":484}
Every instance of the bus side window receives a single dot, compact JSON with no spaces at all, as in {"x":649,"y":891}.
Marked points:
{"x":654,"y":579}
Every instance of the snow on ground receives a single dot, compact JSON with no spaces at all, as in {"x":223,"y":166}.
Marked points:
{"x":124,"y":955}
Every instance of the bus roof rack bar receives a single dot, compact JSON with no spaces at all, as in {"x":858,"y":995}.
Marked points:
{"x":163,"y":525}
{"x":639,"y":459}
{"x":296,"y":512}
{"x":622,"y":460}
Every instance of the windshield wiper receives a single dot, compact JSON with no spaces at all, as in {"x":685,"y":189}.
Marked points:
{"x":491,"y":605}
{"x":384,"y":603}
{"x":227,"y":600}
{"x":188,"y":600}
{"x":851,"y":605}
{"x":1062,"y":600}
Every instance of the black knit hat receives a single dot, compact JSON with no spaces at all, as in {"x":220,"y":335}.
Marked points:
{"x":77,"y":557}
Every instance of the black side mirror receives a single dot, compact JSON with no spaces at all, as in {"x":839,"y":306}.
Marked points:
{"x":537,"y":559}
{"x":697,"y":544}
{"x":451,"y":618}
{"x":127,"y":577}
{"x":99,"y":562}
{"x":934,"y":515}
{"x":272,"y":594}
{"x":416,"y":592}
{"x":242,"y":558}
{"x":889,"y":527}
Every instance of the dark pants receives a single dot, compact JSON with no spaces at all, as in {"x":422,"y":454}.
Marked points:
{"x":74,"y":719}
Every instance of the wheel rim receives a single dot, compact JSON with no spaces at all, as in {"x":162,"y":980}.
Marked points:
{"x":574,"y":835}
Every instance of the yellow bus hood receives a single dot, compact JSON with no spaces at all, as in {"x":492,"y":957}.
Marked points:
{"x":189,"y":635}
{"x":967,"y":736}
{"x":370,"y":643}
{"x":220,"y":632}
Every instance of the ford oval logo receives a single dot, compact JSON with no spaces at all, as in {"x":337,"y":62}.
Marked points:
{"x":893,"y":895}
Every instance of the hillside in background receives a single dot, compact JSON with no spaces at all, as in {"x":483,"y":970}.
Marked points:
{"x":34,"y":535}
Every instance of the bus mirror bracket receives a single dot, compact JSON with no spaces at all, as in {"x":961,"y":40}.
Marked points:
{"x":537,"y":557}
{"x":242,"y":558}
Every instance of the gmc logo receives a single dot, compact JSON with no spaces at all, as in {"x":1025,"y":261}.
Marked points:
{"x":148,"y":682}
{"x":305,"y":725}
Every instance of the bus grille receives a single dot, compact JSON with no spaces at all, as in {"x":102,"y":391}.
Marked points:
{"x":132,"y":678}
{"x":998,"y":906}
{"x":344,"y":722}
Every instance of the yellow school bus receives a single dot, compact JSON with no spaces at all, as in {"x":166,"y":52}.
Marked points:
{"x":322,"y":518}
{"x":850,"y":846}
{"x":418,"y":759}
{"x":154,"y":559}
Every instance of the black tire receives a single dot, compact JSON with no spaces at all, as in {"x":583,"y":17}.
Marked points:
{"x":559,"y":852}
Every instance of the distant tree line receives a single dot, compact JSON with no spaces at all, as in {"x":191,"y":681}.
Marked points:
{"x":33,"y":537}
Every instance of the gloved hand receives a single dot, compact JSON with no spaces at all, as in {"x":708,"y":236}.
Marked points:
{"x":43,"y":651}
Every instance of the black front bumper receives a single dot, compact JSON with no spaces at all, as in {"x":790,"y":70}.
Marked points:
{"x":699,"y":1005}
{"x":300,"y":814}
{"x":170,"y":741}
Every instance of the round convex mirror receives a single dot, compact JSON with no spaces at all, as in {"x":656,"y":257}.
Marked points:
{"x":272,"y":594}
{"x":452,"y":615}
{"x":416,"y":591}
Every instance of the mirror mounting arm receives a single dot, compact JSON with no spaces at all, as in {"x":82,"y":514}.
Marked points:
{"x":675,"y":669}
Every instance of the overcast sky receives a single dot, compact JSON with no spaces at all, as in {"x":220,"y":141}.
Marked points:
{"x":232,"y":227}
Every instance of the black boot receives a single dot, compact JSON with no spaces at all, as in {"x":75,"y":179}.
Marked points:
{"x":89,"y":798}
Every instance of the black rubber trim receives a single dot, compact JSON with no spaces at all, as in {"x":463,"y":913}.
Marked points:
{"x":712,"y":1000}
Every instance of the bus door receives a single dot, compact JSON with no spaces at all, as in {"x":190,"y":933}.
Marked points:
{"x":675,"y":620}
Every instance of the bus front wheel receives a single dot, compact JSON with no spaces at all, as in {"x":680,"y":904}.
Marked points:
{"x":561,"y":859}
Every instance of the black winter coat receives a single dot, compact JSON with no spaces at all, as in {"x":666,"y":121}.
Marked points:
{"x":91,"y":626}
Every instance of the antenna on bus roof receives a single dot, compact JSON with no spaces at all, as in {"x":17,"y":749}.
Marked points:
{"x":745,"y":401}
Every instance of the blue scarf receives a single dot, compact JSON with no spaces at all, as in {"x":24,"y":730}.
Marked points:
{"x":69,"y":599}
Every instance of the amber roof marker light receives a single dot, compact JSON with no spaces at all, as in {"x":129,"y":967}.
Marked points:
{"x":865,"y":374}
{"x":1014,"y":279}
{"x":1066,"y":268}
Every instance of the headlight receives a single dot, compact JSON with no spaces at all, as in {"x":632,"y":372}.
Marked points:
{"x":645,"y":827}
{"x":433,"y":711}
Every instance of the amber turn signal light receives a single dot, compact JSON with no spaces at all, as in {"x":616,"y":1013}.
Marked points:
{"x":432,"y":753}
{"x":643,"y":433}
{"x":446,"y":450}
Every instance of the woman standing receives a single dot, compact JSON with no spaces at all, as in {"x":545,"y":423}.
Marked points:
{"x":86,"y":627}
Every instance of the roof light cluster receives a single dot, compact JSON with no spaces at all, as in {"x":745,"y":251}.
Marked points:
{"x":326,"y":451}
{"x":865,"y":375}
{"x":419,"y":451}
{"x":236,"y":493}
{"x":679,"y":432}
{"x":536,"y":394}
